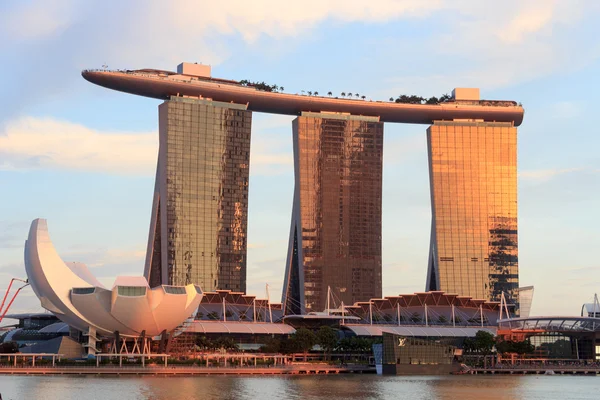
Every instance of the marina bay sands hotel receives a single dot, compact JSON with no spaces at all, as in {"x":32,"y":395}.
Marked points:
{"x":198,"y":229}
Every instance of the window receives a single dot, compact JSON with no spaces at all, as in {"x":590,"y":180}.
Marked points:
{"x":131,"y":291}
{"x":84,"y":290}
{"x":174,"y":289}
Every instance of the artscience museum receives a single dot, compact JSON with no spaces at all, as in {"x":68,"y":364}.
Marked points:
{"x":130,"y":308}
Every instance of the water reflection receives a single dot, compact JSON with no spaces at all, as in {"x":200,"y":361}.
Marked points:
{"x":342,"y":387}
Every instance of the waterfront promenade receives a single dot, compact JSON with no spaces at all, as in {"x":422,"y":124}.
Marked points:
{"x":291,"y":369}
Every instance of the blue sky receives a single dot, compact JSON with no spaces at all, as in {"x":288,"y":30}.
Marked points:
{"x":84,"y":157}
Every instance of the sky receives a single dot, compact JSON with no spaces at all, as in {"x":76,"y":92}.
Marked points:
{"x":84,"y":157}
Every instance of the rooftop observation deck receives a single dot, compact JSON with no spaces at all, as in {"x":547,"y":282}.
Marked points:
{"x":164,"y":84}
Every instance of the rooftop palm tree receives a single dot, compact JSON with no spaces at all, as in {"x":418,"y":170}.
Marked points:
{"x":281,"y":88}
{"x":343,"y":94}
{"x":349,"y":94}
{"x":309,"y":93}
{"x":302,"y":91}
{"x":391,"y":99}
{"x":357,"y":95}
{"x":316,"y":93}
{"x":363,"y":97}
{"x":329,"y":94}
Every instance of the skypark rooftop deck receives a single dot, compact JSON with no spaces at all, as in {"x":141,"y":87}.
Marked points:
{"x":164,"y":84}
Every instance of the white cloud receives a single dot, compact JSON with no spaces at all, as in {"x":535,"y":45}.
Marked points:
{"x":32,"y":143}
{"x":37,"y":19}
{"x":45,"y":143}
{"x":566,"y":109}
{"x":543,"y":175}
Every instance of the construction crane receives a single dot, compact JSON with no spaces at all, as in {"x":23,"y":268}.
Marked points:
{"x":3,"y":310}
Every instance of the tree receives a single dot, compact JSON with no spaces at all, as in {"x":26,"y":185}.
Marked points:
{"x":316,"y":93}
{"x":343,"y":94}
{"x":349,"y":94}
{"x":327,"y":338}
{"x":309,"y":93}
{"x":303,"y":340}
{"x":227,"y":343}
{"x":484,"y":342}
{"x":204,"y":343}
{"x":271,"y":345}
{"x":391,"y":99}
{"x":363,"y":97}
{"x":357,"y":95}
{"x":329,"y":94}
{"x":281,"y":88}
{"x":9,"y":347}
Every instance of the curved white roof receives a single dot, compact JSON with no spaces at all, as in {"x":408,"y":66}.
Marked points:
{"x":57,"y":327}
{"x":423,"y":331}
{"x":76,"y":297}
{"x":251,"y":328}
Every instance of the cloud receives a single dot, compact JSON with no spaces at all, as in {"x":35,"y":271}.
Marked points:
{"x":487,"y":44}
{"x":566,"y":110}
{"x":37,"y":19}
{"x":38,"y":143}
{"x":543,"y":175}
{"x":496,"y":44}
{"x":45,"y":143}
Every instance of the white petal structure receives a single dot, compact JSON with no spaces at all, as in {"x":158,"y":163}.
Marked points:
{"x":73,"y":294}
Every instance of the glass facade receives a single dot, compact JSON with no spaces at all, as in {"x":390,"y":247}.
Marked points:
{"x":199,"y":227}
{"x":131,"y":291}
{"x":335,"y":237}
{"x":473,"y":178}
{"x":409,"y":350}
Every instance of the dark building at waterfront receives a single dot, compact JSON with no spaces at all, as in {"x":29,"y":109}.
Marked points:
{"x":473,"y":178}
{"x":335,"y":235}
{"x":200,"y":209}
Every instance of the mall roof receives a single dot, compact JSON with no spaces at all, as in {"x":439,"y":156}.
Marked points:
{"x":164,"y":84}
{"x":551,"y":324}
{"x":420,"y":299}
{"x":234,"y":327}
{"x":421,"y":331}
{"x":236,"y":299}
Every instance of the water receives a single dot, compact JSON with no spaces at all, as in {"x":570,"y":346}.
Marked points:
{"x":343,"y":387}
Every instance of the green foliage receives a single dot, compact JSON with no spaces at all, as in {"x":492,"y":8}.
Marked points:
{"x":226,"y":342}
{"x":9,"y":347}
{"x":303,"y":340}
{"x":213,"y":315}
{"x":415,"y":317}
{"x":524,"y":347}
{"x":356,"y":344}
{"x":412,"y":99}
{"x":261,"y":85}
{"x":442,"y":319}
{"x":483,"y":342}
{"x":327,"y":338}
{"x":271,"y":345}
